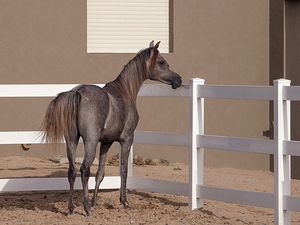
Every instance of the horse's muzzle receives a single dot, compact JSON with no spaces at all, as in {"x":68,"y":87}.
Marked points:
{"x":176,"y":81}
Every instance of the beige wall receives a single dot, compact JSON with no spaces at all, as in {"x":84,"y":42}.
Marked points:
{"x":292,"y":69}
{"x":224,"y":42}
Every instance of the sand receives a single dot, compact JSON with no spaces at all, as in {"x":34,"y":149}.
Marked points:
{"x":146,"y":208}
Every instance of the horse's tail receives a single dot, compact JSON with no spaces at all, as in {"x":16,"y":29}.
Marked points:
{"x":61,"y":117}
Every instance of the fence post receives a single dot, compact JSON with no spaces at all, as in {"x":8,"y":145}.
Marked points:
{"x":282,"y":163}
{"x":196,"y":155}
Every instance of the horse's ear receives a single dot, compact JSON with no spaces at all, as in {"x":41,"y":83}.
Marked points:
{"x":151,"y":45}
{"x":153,"y":55}
{"x":156,"y":46}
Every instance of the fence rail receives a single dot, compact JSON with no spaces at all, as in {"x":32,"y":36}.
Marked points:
{"x":52,"y":183}
{"x":281,"y":93}
{"x":291,"y":93}
{"x":259,"y":199}
{"x":51,"y":90}
{"x":236,"y":144}
{"x":291,"y":148}
{"x":236,"y":92}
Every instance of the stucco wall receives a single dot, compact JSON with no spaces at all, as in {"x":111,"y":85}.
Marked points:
{"x":224,"y":42}
{"x":292,"y":14}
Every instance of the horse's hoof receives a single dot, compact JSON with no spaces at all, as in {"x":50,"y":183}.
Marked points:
{"x":87,"y":211}
{"x":70,"y":214}
{"x":125,"y":205}
{"x":93,"y":202}
{"x":71,"y":207}
{"x":71,"y":211}
{"x":87,"y":208}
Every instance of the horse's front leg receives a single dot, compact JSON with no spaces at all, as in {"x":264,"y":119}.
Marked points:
{"x":125,"y":149}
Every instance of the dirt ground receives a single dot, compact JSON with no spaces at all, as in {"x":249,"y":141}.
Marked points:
{"x":146,"y":208}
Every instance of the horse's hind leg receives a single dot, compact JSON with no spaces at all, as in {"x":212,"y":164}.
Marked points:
{"x":89,"y":156}
{"x":100,"y":173}
{"x":71,"y":149}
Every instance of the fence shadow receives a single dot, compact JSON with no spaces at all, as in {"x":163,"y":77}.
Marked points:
{"x":163,"y":200}
{"x":57,"y":201}
{"x":45,"y":201}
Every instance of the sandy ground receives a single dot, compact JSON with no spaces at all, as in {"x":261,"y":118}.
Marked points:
{"x":146,"y":208}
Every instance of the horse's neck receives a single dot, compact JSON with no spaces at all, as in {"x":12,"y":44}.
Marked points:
{"x":126,"y":86}
{"x":131,"y":84}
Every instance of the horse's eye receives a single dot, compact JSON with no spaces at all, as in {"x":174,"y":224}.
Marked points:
{"x":161,"y":62}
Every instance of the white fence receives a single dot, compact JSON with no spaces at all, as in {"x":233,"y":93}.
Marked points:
{"x":281,"y":146}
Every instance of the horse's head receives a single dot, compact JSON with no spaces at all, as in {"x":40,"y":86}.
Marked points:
{"x":159,"y":69}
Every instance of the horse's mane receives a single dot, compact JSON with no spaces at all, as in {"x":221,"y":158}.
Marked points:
{"x":128,"y":83}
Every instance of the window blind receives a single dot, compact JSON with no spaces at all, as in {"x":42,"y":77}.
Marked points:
{"x":126,"y":26}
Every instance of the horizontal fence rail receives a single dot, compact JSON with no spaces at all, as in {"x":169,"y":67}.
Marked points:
{"x":291,"y":148}
{"x":291,"y":93}
{"x":21,"y":137}
{"x":236,"y":92}
{"x":291,"y":203}
{"x":163,"y":90}
{"x":162,"y":186}
{"x":236,"y":144}
{"x":236,"y":196}
{"x":53,"y":183}
{"x":51,"y":90}
{"x":161,"y":138}
{"x":141,"y":137}
{"x":35,"y":90}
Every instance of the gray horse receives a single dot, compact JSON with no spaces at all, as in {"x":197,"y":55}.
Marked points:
{"x":104,"y":115}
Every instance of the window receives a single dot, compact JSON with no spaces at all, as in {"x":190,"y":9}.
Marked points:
{"x":127,"y":26}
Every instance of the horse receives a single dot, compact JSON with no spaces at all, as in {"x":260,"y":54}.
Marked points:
{"x":103,"y":115}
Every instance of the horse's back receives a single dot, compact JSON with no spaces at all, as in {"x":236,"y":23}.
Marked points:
{"x":100,"y":114}
{"x":92,"y":95}
{"x":93,"y":109}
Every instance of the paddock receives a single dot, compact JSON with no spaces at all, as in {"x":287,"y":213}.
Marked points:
{"x":281,"y":93}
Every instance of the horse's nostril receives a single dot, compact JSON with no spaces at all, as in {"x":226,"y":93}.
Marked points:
{"x":176,"y":83}
{"x":180,"y":81}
